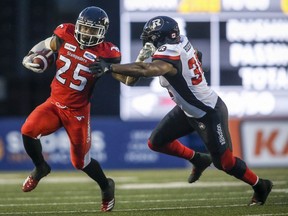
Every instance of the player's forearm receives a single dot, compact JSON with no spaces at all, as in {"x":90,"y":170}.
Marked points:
{"x":127,"y":80}
{"x":138,"y":69}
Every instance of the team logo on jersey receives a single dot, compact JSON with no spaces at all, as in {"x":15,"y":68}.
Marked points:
{"x":115,"y":48}
{"x":60,"y":26}
{"x":79,"y":118}
{"x":162,"y":49}
{"x":90,"y":56}
{"x":70,"y":47}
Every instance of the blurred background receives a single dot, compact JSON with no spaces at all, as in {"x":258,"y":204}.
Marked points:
{"x":245,"y":57}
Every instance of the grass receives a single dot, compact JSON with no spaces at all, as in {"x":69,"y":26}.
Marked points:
{"x":142,"y":192}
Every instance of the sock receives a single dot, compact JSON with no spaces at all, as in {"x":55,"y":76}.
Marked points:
{"x":174,"y":148}
{"x":250,"y":177}
{"x":94,"y":171}
{"x":237,"y":167}
{"x":33,"y":148}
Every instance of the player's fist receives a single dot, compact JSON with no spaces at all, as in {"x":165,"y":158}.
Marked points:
{"x":147,"y":50}
{"x":28,"y":63}
{"x":39,"y":61}
{"x":99,"y":67}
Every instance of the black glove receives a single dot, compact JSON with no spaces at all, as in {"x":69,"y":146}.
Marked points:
{"x":99,"y":67}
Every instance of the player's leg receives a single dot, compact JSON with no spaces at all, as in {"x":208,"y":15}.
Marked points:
{"x":164,"y":139}
{"x":41,"y":121}
{"x":78,"y":129}
{"x":218,"y":141}
{"x":236,"y":167}
{"x":107,"y":185}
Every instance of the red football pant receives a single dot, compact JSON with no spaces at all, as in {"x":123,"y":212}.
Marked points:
{"x":49,"y":117}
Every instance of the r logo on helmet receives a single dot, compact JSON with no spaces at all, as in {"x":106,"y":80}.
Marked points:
{"x":156,"y":23}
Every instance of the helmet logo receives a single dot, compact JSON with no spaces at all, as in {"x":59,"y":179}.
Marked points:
{"x":156,"y":23}
{"x":106,"y":20}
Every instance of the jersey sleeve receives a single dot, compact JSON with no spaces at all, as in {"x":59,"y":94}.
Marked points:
{"x":65,"y":31}
{"x":168,"y":54}
{"x":110,"y":53}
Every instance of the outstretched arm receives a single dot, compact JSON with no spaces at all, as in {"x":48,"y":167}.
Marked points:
{"x":147,"y":51}
{"x":142,"y":69}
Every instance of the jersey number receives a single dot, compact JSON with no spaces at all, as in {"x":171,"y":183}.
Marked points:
{"x":193,"y":64}
{"x":76,"y":74}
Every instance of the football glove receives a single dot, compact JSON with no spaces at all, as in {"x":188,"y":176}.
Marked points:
{"x":147,"y":50}
{"x":99,"y":67}
{"x":28,"y":63}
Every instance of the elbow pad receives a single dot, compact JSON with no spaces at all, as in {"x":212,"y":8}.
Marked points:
{"x":45,"y":44}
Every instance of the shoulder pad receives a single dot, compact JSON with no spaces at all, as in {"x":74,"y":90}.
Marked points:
{"x":167,"y":51}
{"x":65,"y":30}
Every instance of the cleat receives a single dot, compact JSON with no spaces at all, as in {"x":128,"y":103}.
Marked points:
{"x":108,"y":199}
{"x":261,"y":192}
{"x":200,"y":162}
{"x":33,"y":179}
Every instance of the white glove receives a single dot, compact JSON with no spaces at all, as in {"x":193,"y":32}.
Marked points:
{"x":28,"y":63}
{"x":147,"y":51}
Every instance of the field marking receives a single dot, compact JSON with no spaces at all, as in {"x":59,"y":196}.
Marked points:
{"x":144,"y":209}
{"x":128,"y":186}
{"x":266,"y":214}
{"x":170,"y":185}
{"x":123,"y":197}
{"x":126,"y":201}
{"x":55,"y":180}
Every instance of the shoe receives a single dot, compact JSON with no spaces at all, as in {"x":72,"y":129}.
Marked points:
{"x":261,"y":192}
{"x":108,"y":199}
{"x":33,"y":179}
{"x":200,"y":162}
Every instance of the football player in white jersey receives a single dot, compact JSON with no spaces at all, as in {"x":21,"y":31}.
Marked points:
{"x":198,"y":107}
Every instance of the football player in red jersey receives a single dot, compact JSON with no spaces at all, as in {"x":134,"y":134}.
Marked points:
{"x":68,"y":105}
{"x":198,"y":107}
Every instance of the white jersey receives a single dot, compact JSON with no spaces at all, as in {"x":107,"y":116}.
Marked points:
{"x":188,"y":88}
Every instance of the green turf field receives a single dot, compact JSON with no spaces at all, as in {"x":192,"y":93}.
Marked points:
{"x":143,"y":192}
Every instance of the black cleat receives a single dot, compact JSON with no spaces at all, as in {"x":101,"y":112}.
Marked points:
{"x":261,"y":192}
{"x":200,"y":162}
{"x":33,"y":179}
{"x":108,"y":199}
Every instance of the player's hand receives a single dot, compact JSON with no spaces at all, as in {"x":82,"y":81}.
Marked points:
{"x":28,"y":63}
{"x":147,"y":50}
{"x":99,"y":67}
{"x":199,"y":55}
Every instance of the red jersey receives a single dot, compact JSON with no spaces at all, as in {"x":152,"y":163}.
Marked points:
{"x":73,"y":83}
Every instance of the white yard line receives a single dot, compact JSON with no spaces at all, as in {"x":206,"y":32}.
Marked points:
{"x":52,"y":180}
{"x":143,"y":209}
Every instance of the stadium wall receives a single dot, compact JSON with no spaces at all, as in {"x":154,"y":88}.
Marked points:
{"x":123,"y":145}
